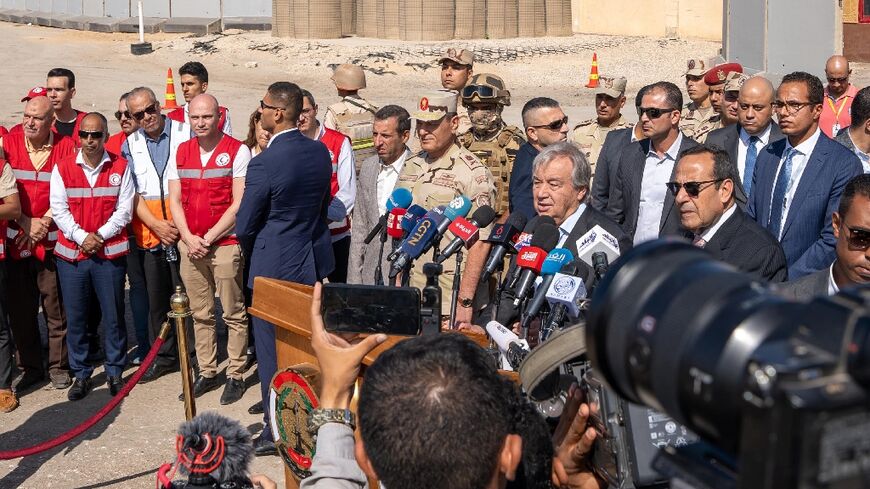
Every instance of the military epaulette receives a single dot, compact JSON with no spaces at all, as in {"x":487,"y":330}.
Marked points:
{"x":470,"y":159}
{"x":585,"y":123}
{"x":508,"y":134}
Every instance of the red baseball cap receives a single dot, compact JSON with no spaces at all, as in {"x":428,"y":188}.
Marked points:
{"x":718,"y":73}
{"x":35,"y":92}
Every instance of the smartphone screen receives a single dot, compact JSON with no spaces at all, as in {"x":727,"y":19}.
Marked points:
{"x":371,"y":309}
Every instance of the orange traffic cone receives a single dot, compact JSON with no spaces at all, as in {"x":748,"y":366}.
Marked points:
{"x":170,"y":92}
{"x":593,"y":75}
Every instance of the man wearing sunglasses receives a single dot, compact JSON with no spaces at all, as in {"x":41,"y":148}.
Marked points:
{"x":798,"y":181}
{"x":640,"y":201}
{"x":128,"y":124}
{"x":703,"y":187}
{"x":839,"y":94}
{"x":590,"y":134}
{"x":851,"y":227}
{"x":857,"y":136}
{"x":92,"y":197}
{"x":148,"y":151}
{"x":490,"y":139}
{"x":698,"y":117}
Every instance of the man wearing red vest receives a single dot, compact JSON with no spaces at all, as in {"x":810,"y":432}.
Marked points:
{"x":343,"y":187}
{"x":92,"y":203}
{"x":128,"y":126}
{"x":10,"y":209}
{"x":194,"y":81}
{"x":61,"y":88}
{"x":32,"y":152}
{"x":206,"y":182}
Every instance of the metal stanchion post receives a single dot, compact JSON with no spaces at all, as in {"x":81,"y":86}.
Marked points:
{"x":180,"y":305}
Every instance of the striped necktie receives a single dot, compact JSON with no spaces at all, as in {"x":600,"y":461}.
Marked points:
{"x":777,"y":203}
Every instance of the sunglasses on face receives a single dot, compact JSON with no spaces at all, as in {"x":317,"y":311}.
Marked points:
{"x":858,"y":239}
{"x":693,"y":189}
{"x":653,"y":112}
{"x":555,"y":125}
{"x":264,"y":106}
{"x":152,"y":110}
{"x":123,"y":115}
{"x":90,"y":134}
{"x":838,"y":80}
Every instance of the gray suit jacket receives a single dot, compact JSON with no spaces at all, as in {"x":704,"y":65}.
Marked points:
{"x":807,"y":287}
{"x":608,"y":164}
{"x":363,"y":258}
{"x":727,"y":138}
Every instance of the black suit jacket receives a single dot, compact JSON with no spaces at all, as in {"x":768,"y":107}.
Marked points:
{"x":741,"y":242}
{"x":728,"y":139}
{"x":624,"y":204}
{"x":520,"y":185}
{"x":608,"y":163}
{"x":807,"y":287}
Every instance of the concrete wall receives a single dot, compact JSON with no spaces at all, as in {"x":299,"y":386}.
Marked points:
{"x":151,"y":8}
{"x":696,"y":19}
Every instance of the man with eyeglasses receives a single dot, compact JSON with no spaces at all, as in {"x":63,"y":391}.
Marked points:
{"x":698,"y":117}
{"x":755,"y":129}
{"x":32,"y":152}
{"x":857,"y":136}
{"x":640,"y":201}
{"x":703,"y":186}
{"x":851,"y":229}
{"x":92,"y":198}
{"x":490,"y":139}
{"x":128,"y":126}
{"x":590,"y":134}
{"x":343,"y":184}
{"x":545,"y":124}
{"x":148,"y":151}
{"x":798,"y":181}
{"x":839,"y":95}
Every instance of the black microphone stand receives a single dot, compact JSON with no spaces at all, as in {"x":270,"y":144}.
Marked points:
{"x":454,"y":294}
{"x":379,"y":275}
{"x":430,"y":310}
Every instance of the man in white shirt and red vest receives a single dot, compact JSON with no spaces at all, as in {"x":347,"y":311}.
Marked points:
{"x":194,"y":81}
{"x":92,"y":202}
{"x":206,"y":181}
{"x":343,"y":187}
{"x":32,"y":152}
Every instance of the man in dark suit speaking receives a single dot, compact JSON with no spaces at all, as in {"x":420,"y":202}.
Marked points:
{"x":281,"y":223}
{"x":703,"y":188}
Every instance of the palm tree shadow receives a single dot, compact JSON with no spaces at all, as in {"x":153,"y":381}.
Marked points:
{"x":50,"y":422}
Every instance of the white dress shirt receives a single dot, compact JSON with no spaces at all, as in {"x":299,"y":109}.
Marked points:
{"x":798,"y":164}
{"x":743,"y":147}
{"x":864,"y":157}
{"x":657,"y":172}
{"x":568,"y":225}
{"x":342,"y":203}
{"x":387,"y":178}
{"x":280,"y":133}
{"x":60,"y":205}
{"x":711,"y":231}
{"x":832,"y":285}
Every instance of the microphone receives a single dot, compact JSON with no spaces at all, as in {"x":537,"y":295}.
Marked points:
{"x":412,"y":217}
{"x":467,"y":231}
{"x":502,"y":238}
{"x":594,"y":241}
{"x":400,"y":198}
{"x":564,"y":295}
{"x":554,"y":262}
{"x":513,"y":349}
{"x":525,"y":239}
{"x":394,"y":222}
{"x":600,"y":263}
{"x":436,"y":214}
{"x":427,"y":231}
{"x":531,"y":258}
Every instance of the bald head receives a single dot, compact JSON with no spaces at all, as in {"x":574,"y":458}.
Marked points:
{"x":837,"y":71}
{"x":38,"y":117}
{"x":93,"y":132}
{"x":754,"y":105}
{"x":205,"y":118}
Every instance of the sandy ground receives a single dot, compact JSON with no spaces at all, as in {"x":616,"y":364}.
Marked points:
{"x":126,"y":448}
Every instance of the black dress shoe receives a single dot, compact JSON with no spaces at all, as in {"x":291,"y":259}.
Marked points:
{"x":263,"y":446}
{"x":257,"y":408}
{"x":202,"y":385}
{"x":233,"y":391}
{"x":115,"y":385}
{"x":156,"y":371}
{"x":29,"y":379}
{"x":79,"y":389}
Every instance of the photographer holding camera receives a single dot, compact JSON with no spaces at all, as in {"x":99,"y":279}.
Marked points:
{"x":433,"y":413}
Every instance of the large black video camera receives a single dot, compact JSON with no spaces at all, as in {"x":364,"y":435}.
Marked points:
{"x":775,"y":389}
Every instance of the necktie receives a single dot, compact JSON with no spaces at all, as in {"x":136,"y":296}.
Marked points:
{"x":777,"y":204}
{"x":699,"y":241}
{"x":751,"y":156}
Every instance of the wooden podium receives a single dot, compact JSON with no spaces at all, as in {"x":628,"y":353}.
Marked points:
{"x":287,"y":305}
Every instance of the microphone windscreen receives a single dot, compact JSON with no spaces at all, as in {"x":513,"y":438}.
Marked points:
{"x":518,"y":220}
{"x":400,"y":198}
{"x":483,"y":216}
{"x":546,"y":236}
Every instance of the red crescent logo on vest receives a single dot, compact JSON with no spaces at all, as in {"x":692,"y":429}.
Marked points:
{"x":24,"y":253}
{"x":424,"y":103}
{"x":223,"y":159}
{"x":115,"y":179}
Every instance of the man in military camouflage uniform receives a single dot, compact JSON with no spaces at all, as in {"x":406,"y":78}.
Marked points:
{"x":698,"y":117}
{"x":441,"y":172}
{"x":490,"y":139}
{"x":715,"y":79}
{"x":733,"y":83}
{"x":353,"y":116}
{"x":456,"y":69}
{"x":609,"y":99}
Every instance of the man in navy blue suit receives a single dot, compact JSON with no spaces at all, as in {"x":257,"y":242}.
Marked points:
{"x":798,"y":180}
{"x":281,"y":222}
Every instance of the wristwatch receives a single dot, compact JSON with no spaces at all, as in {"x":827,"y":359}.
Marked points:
{"x":465,"y":302}
{"x":320,"y":417}
{"x":99,"y":236}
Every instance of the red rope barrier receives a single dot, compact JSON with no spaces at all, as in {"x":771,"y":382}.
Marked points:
{"x":90,"y":422}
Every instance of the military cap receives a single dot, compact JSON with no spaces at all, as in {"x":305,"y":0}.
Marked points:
{"x":696,"y":67}
{"x":432,"y":106}
{"x":718,"y":73}
{"x":734,"y":81}
{"x":349,"y":77}
{"x":461,"y":56}
{"x":612,"y":87}
{"x":486,"y":87}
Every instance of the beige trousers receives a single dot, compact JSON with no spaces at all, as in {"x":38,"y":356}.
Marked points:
{"x":220,"y":270}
